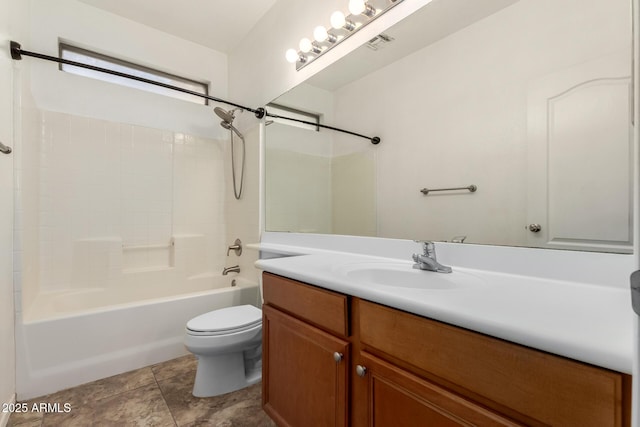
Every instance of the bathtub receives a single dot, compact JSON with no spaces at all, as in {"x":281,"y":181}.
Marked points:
{"x":72,"y":337}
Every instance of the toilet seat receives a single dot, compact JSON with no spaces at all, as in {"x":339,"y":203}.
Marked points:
{"x":225,"y":321}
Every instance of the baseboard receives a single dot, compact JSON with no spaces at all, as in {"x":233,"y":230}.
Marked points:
{"x":4,"y":416}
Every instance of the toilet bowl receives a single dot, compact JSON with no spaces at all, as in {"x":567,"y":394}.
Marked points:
{"x":228,"y":345}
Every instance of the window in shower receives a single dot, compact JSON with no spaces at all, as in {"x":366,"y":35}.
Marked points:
{"x":73,"y":53}
{"x":294,"y":113}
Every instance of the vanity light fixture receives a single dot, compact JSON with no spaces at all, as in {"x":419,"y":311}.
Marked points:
{"x":307,"y":46}
{"x":338,"y":21}
{"x":320,"y":34}
{"x":357,"y":7}
{"x":292,"y":56}
{"x":362,"y":12}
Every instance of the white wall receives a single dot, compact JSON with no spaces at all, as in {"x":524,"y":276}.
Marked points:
{"x":455,"y":114}
{"x":94,"y":29}
{"x":7,"y":343}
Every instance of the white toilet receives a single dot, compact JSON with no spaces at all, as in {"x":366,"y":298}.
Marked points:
{"x":228,"y":345}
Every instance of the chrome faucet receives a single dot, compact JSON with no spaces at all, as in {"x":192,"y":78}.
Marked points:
{"x":234,"y":269}
{"x":427,"y":260}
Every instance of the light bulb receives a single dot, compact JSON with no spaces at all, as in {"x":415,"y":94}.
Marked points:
{"x":320,"y":34}
{"x":356,"y":7}
{"x":305,"y":45}
{"x":338,"y":20}
{"x":292,"y":55}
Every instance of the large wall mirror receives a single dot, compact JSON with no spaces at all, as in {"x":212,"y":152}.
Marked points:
{"x":530,"y":101}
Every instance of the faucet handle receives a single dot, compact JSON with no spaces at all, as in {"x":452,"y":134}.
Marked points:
{"x":428,"y":247}
{"x":236,"y":247}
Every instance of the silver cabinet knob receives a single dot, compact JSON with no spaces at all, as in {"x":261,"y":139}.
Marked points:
{"x":337,"y":357}
{"x":534,"y":228}
{"x":361,"y":370}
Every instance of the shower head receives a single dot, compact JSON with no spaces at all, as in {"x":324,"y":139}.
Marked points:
{"x":225,"y":115}
{"x":227,"y":119}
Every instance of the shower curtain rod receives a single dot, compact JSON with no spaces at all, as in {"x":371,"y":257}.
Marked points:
{"x":17,"y":53}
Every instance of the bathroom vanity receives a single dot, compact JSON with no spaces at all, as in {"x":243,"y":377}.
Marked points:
{"x":335,"y":359}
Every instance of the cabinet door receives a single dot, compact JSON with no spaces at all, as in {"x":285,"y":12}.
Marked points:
{"x":397,"y":398}
{"x":303,"y":384}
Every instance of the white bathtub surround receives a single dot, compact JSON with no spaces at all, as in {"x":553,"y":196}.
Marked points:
{"x":101,"y":185}
{"x":112,"y":215}
{"x":575,"y":304}
{"x":100,"y":200}
{"x":242,"y":217}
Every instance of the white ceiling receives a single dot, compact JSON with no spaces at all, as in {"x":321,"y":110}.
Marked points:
{"x":217,"y":24}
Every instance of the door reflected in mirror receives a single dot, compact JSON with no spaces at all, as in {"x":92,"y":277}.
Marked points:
{"x":530,"y":101}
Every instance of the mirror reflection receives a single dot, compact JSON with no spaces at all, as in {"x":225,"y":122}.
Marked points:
{"x":529,"y":101}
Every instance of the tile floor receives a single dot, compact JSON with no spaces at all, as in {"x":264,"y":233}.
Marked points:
{"x":158,"y":395}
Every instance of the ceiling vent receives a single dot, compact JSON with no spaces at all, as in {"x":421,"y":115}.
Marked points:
{"x":379,"y":41}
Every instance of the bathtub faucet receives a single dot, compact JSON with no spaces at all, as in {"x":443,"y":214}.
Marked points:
{"x":236,"y":247}
{"x":234,"y":269}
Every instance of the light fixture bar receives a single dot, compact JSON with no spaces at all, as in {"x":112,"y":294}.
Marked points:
{"x":348,"y":25}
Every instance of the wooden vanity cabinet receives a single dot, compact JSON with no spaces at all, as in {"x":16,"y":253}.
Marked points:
{"x":397,"y":369}
{"x":306,"y":354}
{"x":304,"y":383}
{"x":524,"y":385}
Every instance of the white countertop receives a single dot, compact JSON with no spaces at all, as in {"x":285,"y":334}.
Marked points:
{"x":586,"y":322}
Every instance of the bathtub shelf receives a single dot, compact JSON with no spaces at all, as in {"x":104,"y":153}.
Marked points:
{"x":140,"y":258}
{"x":146,"y":247}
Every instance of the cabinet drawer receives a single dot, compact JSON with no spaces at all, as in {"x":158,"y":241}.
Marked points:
{"x":535,"y":387}
{"x":325,"y":309}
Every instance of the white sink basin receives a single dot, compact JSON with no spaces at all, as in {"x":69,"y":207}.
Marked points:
{"x":402,"y":275}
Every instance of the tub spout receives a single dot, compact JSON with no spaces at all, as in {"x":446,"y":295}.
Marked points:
{"x":234,"y":269}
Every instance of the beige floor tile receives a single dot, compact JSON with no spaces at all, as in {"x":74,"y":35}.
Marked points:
{"x":141,"y":407}
{"x":29,"y":423}
{"x":185,"y":365}
{"x":183,"y":405}
{"x":28,"y":418}
{"x":243,"y":409}
{"x":101,"y":389}
{"x":82,"y":416}
{"x":158,"y":395}
{"x":24,"y":419}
